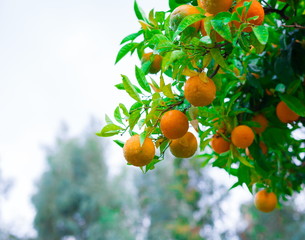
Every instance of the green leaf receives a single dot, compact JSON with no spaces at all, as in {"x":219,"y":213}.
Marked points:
{"x":220,"y":162}
{"x":142,"y":79}
{"x":235,"y":185}
{"x":245,"y":162}
{"x":261,"y":33}
{"x":294,"y":104}
{"x":124,"y":50}
{"x":206,"y":40}
{"x":293,"y":86}
{"x":120,"y":143}
{"x":134,"y":118}
{"x":143,"y":136}
{"x":161,"y":43}
{"x":167,"y":90}
{"x":220,"y":25}
{"x":130,"y":89}
{"x":109,"y":130}
{"x":259,"y":48}
{"x":131,"y":37}
{"x":216,"y":54}
{"x":135,"y":107}
{"x":170,"y":58}
{"x":120,"y":86}
{"x":186,"y":22}
{"x":139,"y":12}
{"x":117,"y":115}
{"x":280,"y":88}
{"x":108,"y":120}
{"x":124,"y":109}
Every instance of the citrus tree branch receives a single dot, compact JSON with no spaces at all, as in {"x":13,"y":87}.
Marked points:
{"x":294,"y":26}
{"x":281,"y":12}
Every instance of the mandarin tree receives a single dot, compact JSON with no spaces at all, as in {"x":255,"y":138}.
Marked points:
{"x":231,"y":72}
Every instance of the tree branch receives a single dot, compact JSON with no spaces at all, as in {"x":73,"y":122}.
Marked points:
{"x":281,"y":12}
{"x":215,"y":71}
{"x":294,"y":26}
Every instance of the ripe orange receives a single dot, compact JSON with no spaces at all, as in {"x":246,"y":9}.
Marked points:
{"x":215,"y":6}
{"x":219,"y":144}
{"x":285,"y":114}
{"x":199,"y":92}
{"x":262,"y":120}
{"x":181,"y":12}
{"x":255,"y":9}
{"x":264,"y":201}
{"x":216,"y":35}
{"x":156,"y":61}
{"x":174,"y":124}
{"x":184,"y":147}
{"x":139,"y":155}
{"x":242,"y":136}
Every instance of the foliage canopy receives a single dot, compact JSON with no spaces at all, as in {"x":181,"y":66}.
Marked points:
{"x":254,"y":67}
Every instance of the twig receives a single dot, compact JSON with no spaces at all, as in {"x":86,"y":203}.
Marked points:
{"x":294,"y":26}
{"x":215,"y":71}
{"x":278,"y":11}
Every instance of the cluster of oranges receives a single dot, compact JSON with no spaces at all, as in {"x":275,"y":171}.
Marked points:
{"x":200,"y":91}
{"x":255,"y":13}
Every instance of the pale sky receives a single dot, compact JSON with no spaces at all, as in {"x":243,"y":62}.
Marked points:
{"x":57,"y":64}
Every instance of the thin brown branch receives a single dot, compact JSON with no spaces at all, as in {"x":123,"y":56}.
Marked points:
{"x":281,"y":12}
{"x":215,"y":71}
{"x":294,"y":26}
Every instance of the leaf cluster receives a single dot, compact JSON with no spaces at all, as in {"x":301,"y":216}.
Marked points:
{"x":252,"y":71}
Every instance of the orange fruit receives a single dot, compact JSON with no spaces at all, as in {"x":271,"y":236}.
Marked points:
{"x":285,"y":114}
{"x":264,"y":201}
{"x":216,"y":35}
{"x":184,"y":147}
{"x":138,"y":155}
{"x":219,"y":144}
{"x":242,"y":136}
{"x":255,"y":9}
{"x":215,"y":6}
{"x":181,"y":12}
{"x":174,"y":124}
{"x":156,"y":61}
{"x":262,"y":120}
{"x":199,"y":92}
{"x":263,"y":148}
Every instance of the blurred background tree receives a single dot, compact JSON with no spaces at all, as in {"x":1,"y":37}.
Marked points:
{"x":5,"y":186}
{"x":76,"y":197}
{"x":287,"y":223}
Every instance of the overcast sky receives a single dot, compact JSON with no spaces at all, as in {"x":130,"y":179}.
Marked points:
{"x":57,"y":65}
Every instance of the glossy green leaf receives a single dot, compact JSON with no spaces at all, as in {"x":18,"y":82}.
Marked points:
{"x":130,"y":89}
{"x":295,"y":104}
{"x":139,"y":12}
{"x":261,"y":33}
{"x":109,"y":130}
{"x":117,"y":115}
{"x":216,"y":54}
{"x":142,"y":79}
{"x":124,"y":50}
{"x":220,"y":25}
{"x":186,"y":22}
{"x":131,"y":37}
